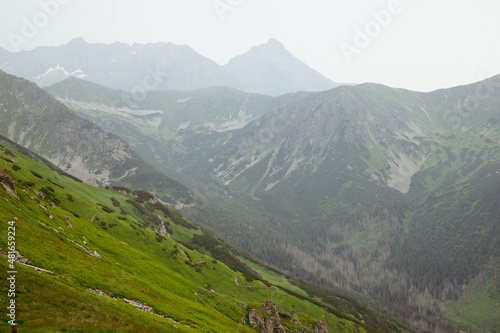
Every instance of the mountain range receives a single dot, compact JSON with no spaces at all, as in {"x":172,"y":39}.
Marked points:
{"x":388,"y":195}
{"x":268,"y":68}
{"x":343,"y":187}
{"x":118,"y":259}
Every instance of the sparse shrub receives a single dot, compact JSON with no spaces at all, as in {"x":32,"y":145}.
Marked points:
{"x":16,"y":167}
{"x":50,"y":195}
{"x":106,"y":209}
{"x":36,"y":174}
{"x":169,"y":230}
{"x":70,"y":197}
{"x":56,"y":184}
{"x":223,"y":252}
{"x":186,"y":245}
{"x":173,"y":253}
{"x":8,"y":152}
{"x":136,"y":206}
{"x":143,"y":196}
{"x":115,"y":202}
{"x":160,"y":238}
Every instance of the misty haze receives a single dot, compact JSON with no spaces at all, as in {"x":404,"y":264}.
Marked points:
{"x":236,"y":166}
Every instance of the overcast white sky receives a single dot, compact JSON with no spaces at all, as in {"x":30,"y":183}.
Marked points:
{"x":415,"y":44}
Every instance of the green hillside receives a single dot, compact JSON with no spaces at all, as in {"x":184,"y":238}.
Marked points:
{"x":34,"y":119}
{"x":101,"y":261}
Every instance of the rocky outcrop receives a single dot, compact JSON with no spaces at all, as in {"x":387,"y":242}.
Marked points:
{"x":267,"y":319}
{"x":8,"y":184}
{"x":86,"y":249}
{"x":100,"y":293}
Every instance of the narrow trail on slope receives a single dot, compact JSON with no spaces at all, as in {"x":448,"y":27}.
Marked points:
{"x":184,"y":253}
{"x":96,"y":211}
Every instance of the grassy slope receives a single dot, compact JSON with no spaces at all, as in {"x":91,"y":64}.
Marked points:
{"x":137,"y":264}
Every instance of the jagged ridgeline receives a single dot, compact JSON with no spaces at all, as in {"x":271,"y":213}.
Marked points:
{"x":38,"y":122}
{"x":116,"y":259}
{"x":267,"y":69}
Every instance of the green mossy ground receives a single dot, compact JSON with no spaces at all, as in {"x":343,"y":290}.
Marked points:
{"x":191,"y":290}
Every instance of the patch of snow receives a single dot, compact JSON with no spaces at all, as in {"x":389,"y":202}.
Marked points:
{"x":183,"y":125}
{"x":155,"y":122}
{"x":270,"y":186}
{"x":425,"y":111}
{"x":241,"y":121}
{"x":123,"y":112}
{"x":294,"y":166}
{"x":78,"y":73}
{"x":183,"y":100}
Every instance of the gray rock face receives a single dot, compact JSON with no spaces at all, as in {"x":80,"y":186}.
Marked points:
{"x":267,"y":319}
{"x":8,"y":184}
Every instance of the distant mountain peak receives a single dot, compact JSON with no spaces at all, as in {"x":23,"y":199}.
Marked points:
{"x":77,"y":41}
{"x":273,"y":50}
{"x":270,"y":69}
{"x":274,"y":43}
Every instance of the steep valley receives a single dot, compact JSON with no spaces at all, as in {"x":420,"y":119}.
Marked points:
{"x":387,"y":193}
{"x":90,"y":259}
